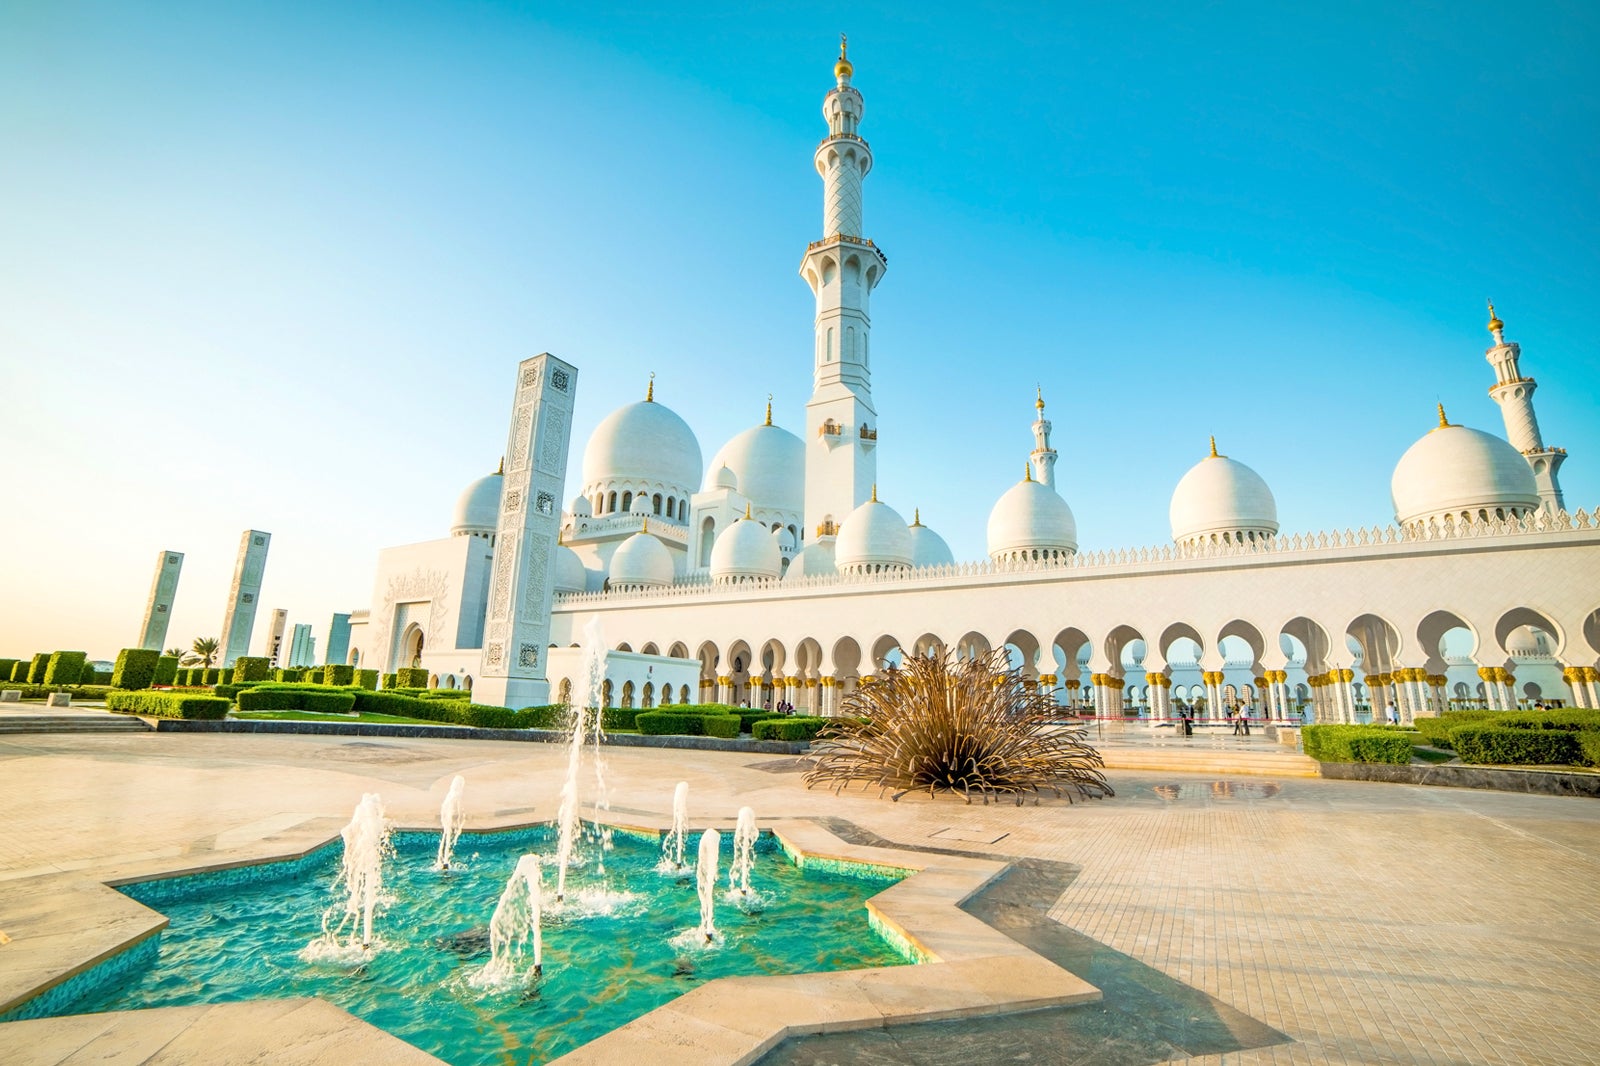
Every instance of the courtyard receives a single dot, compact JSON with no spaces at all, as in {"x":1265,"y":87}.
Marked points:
{"x":1225,"y":916}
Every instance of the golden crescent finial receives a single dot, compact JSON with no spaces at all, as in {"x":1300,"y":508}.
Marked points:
{"x":769,"y":408}
{"x":843,"y":68}
{"x":1494,"y":319}
{"x":1039,"y":392}
{"x":650,"y":390}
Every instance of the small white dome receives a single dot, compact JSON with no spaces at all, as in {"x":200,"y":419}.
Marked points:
{"x":1455,"y":471}
{"x":641,"y":505}
{"x":645,"y":442}
{"x":814,"y":560}
{"x":570,"y":573}
{"x":581,"y":507}
{"x":1030,"y":522}
{"x":1526,"y":642}
{"x":747,"y":551}
{"x":641,"y":561}
{"x":478,"y":508}
{"x":770,"y":465}
{"x":722,"y":477}
{"x":1222,"y":498}
{"x":873,"y":538}
{"x":927,"y":547}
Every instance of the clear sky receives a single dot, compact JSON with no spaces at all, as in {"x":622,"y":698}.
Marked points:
{"x":273,"y":264}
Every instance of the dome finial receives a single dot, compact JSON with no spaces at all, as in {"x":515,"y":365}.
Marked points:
{"x":646,"y":528}
{"x":1444,"y":423}
{"x":874,"y":492}
{"x":917,"y":516}
{"x":650,"y":390}
{"x":1214,"y":454}
{"x":1039,"y":391}
{"x":843,"y":68}
{"x":769,"y":408}
{"x":502,"y":469}
{"x":1027,"y":471}
{"x":747,"y":510}
{"x":1495,"y":325}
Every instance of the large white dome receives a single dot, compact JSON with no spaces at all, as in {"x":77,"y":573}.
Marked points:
{"x":570,"y":573}
{"x":641,"y":561}
{"x":814,"y":560}
{"x":927,"y":547}
{"x":873,"y":538}
{"x":746,"y":552}
{"x":1222,"y":499}
{"x":770,"y":464}
{"x":642,"y":442}
{"x":1030,"y":522}
{"x":1456,"y":471}
{"x":478,"y":508}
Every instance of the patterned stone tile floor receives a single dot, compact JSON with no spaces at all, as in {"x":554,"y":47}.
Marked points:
{"x":1229,"y":919}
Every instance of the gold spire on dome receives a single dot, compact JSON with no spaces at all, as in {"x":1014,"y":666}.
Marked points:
{"x":646,"y":528}
{"x":916,"y":516}
{"x":1494,"y":319}
{"x":1027,"y":471}
{"x":747,"y":510}
{"x":1214,"y":454}
{"x":502,"y":468}
{"x":650,"y":390}
{"x":769,"y":408}
{"x":1444,"y":423}
{"x":874,"y":492}
{"x":843,"y":68}
{"x":1039,"y":403}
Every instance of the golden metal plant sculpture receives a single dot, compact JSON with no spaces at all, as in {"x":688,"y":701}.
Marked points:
{"x":968,"y":726}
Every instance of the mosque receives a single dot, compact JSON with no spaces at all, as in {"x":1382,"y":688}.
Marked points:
{"x":774,"y":572}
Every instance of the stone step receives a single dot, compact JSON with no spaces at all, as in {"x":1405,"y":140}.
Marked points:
{"x":71,"y":723}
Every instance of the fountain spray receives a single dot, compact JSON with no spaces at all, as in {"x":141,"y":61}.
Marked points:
{"x":452,"y":817}
{"x":517,"y":924}
{"x":672,"y":846}
{"x":366,"y":842}
{"x":744,"y":845}
{"x":705,"y":875}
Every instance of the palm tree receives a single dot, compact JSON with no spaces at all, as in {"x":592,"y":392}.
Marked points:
{"x":174,"y":653}
{"x":203,"y":653}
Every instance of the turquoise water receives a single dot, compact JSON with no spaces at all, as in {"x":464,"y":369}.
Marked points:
{"x":240,"y":935}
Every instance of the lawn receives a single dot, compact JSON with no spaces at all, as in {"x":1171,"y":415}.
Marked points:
{"x":316,"y":716}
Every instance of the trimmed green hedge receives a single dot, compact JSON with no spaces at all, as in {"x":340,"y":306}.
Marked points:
{"x":1356,"y":743}
{"x":445,"y":694}
{"x":1483,"y":743}
{"x":317,"y":675}
{"x":65,"y":668}
{"x":411,"y":677}
{"x":799,"y":727}
{"x":1571,"y":719}
{"x":135,"y":668}
{"x":620,"y":717}
{"x":19,"y":672}
{"x":684,"y":721}
{"x":6,"y":666}
{"x":36,"y":668}
{"x":389,"y":681}
{"x":726,"y":726}
{"x":39,"y":692}
{"x":248,"y":668}
{"x":166,"y":671}
{"x":338,"y":674}
{"x":1436,"y":731}
{"x":367,"y":679}
{"x":318,"y":698}
{"x":97,"y":677}
{"x":167,"y":704}
{"x":1589,"y":744}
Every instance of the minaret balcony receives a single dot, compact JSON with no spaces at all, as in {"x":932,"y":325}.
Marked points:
{"x":847,"y":238}
{"x":842,"y":137}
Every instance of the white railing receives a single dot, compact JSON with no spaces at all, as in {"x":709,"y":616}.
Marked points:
{"x":698,"y":584}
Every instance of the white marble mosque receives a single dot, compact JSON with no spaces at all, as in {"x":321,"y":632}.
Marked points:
{"x":775,"y":572}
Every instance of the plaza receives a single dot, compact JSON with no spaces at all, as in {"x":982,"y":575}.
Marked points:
{"x":1268,"y":917}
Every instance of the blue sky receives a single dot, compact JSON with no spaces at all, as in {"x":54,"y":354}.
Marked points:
{"x":272,"y":265}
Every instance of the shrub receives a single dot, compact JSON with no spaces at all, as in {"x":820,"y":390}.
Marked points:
{"x":251,"y":668}
{"x":411,"y":677}
{"x":796,"y":728}
{"x":135,"y":668}
{"x":1356,"y":743}
{"x":389,"y":682}
{"x":318,"y":698}
{"x":620,"y":718}
{"x":283,"y":675}
{"x":1436,"y":731}
{"x":676,"y":722}
{"x":98,"y":677}
{"x":167,"y":704}
{"x":65,"y":668}
{"x":484,"y":716}
{"x":1483,"y":743}
{"x":547,"y":716}
{"x":228,"y":692}
{"x":367,"y":679}
{"x":1589,"y":744}
{"x":369,"y":702}
{"x":1572,"y":719}
{"x":6,"y":666}
{"x":213,"y":676}
{"x":314,"y":675}
{"x":19,"y":672}
{"x":444,"y":694}
{"x":338,"y":674}
{"x":166,"y":671}
{"x":36,"y":668}
{"x":725,"y":726}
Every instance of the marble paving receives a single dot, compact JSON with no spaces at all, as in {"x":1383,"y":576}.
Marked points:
{"x":1230,"y":917}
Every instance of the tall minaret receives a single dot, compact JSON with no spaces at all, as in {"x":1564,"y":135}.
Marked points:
{"x":1043,"y":456}
{"x":1514,"y":394}
{"x":842,"y":269}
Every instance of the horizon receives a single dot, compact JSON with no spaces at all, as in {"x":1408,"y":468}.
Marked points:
{"x":274,"y":268}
